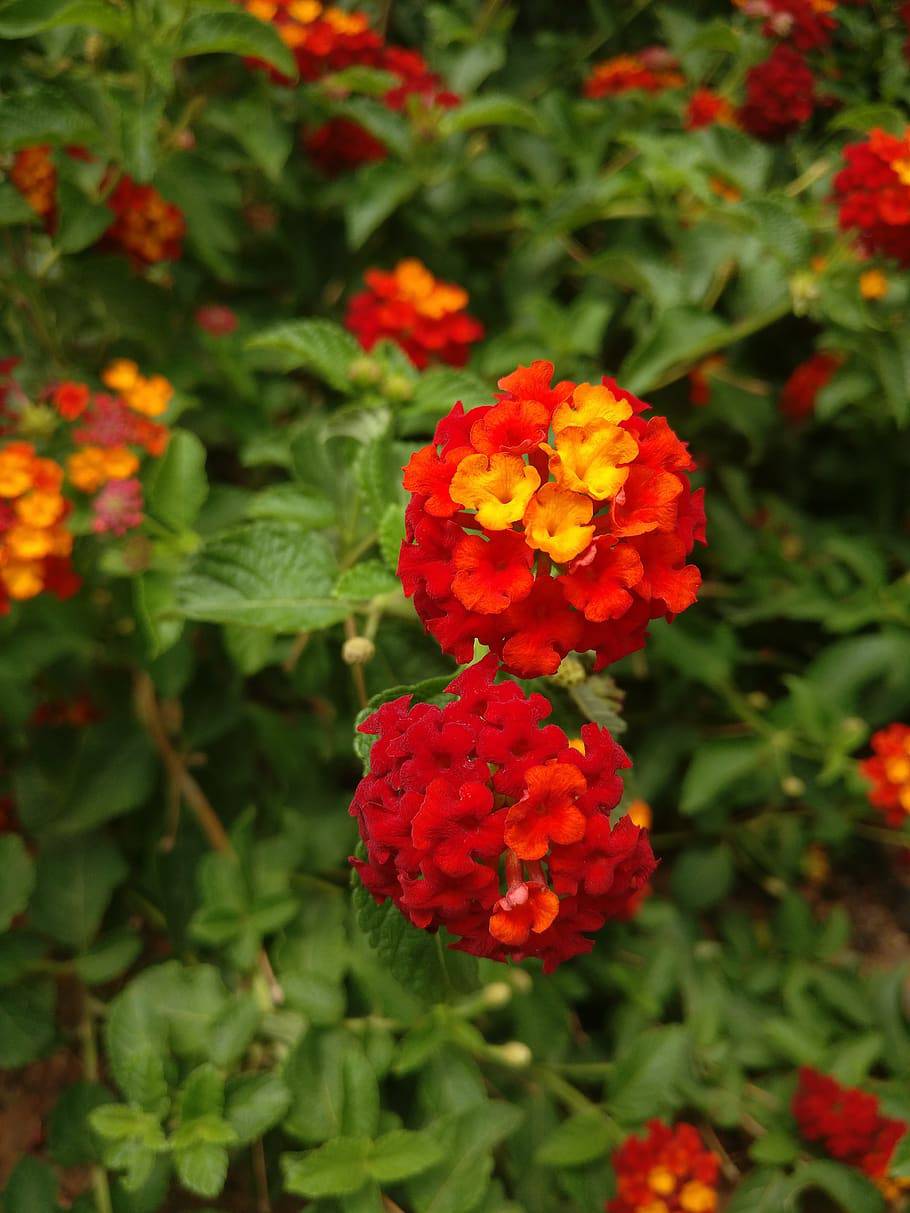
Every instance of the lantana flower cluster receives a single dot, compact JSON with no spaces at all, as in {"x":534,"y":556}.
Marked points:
{"x":480,"y":818}
{"x":556,"y":519}
{"x":108,"y":427}
{"x":325,"y":39}
{"x":808,"y":25}
{"x":668,"y":1170}
{"x":144,"y":224}
{"x":888,"y":771}
{"x":848,"y":1124}
{"x":780,"y":95}
{"x":35,"y":541}
{"x":800,"y":391}
{"x":98,"y":452}
{"x":873,"y":193}
{"x":427,"y":318}
{"x":651,"y":71}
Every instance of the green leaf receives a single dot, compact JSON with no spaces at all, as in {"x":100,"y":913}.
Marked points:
{"x":293,"y":503}
{"x":420,"y":961}
{"x":26,"y":1022}
{"x":702,"y":877}
{"x":321,"y":347}
{"x":314,"y":1074}
{"x":649,"y":1075}
{"x":266,"y":574}
{"x":109,"y":774}
{"x":381,"y":189}
{"x":899,"y":1164}
{"x":23,"y":18}
{"x":235,"y":33}
{"x":74,"y":884}
{"x":17,"y":878}
{"x":436,"y":392}
{"x":675,"y":339}
{"x":776,"y":1147}
{"x":763,"y":1191}
{"x":178,"y":485}
{"x":335,"y":1169}
{"x":491,"y":110}
{"x":852,"y":1191}
{"x":458,"y":1184}
{"x":391,"y":534}
{"x":32,"y":1188}
{"x":577,"y":1141}
{"x":365,"y":581}
{"x":202,"y":1168}
{"x":718,"y":767}
{"x":401,"y":1153}
{"x":13,"y":207}
{"x":123,"y":1122}
{"x":69,"y":1132}
{"x":82,"y":220}
{"x":108,"y":957}
{"x":255,"y":1103}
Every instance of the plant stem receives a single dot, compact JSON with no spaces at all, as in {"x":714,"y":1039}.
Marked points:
{"x":91,"y":1073}
{"x":360,"y":684}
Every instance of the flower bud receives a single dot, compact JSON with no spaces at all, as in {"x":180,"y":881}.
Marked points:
{"x":515,"y":1053}
{"x":364,"y":371}
{"x":792,"y":785}
{"x":496,"y":995}
{"x":358,"y":650}
{"x":37,"y":421}
{"x":398,"y":388}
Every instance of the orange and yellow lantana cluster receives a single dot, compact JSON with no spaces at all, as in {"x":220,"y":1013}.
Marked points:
{"x":35,"y":542}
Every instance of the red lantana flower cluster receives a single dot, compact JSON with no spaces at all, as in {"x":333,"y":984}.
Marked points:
{"x":322,"y":38}
{"x":707,"y":108}
{"x":557,"y":519}
{"x":426,"y":317}
{"x":145,"y":225}
{"x":888,"y":770}
{"x":847,"y":1123}
{"x":668,"y":1170}
{"x":650,"y":71}
{"x":798,"y":395}
{"x":325,"y":39}
{"x":780,"y":95}
{"x":806,"y":24}
{"x":873,"y":192}
{"x":479,"y":818}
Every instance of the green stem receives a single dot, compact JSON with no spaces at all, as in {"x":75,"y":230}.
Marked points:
{"x":100,"y":1186}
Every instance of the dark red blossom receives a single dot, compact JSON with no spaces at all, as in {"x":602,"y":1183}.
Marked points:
{"x":780,"y":95}
{"x":798,"y":395}
{"x":668,"y":1170}
{"x":480,"y":818}
{"x":846,"y":1122}
{"x":873,"y":193}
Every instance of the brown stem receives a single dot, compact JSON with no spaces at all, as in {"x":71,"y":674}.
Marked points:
{"x":90,"y":1072}
{"x":261,"y":1176}
{"x":149,"y":712}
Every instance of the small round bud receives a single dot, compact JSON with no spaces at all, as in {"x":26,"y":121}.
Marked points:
{"x":364,"y":371}
{"x":854,"y":725}
{"x":791,"y":547}
{"x":496,"y":995}
{"x":522,"y":982}
{"x":357,"y":650}
{"x":515,"y":1053}
{"x":758,"y":700}
{"x":398,"y":388}
{"x":571,"y":672}
{"x":792,"y":785}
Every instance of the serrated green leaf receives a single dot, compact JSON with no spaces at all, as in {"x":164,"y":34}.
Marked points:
{"x":24,"y":18}
{"x":26,"y":1022}
{"x":382,"y":188}
{"x":321,"y":347}
{"x":178,"y":485}
{"x":365,"y":581}
{"x":335,"y":1169}
{"x":490,"y":110}
{"x":73,"y":886}
{"x":255,"y":1103}
{"x":234,"y":33}
{"x":267,"y":574}
{"x":400,"y":1154}
{"x":577,"y":1141}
